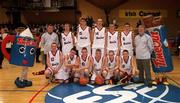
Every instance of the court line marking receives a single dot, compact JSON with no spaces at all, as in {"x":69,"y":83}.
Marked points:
{"x":36,"y":94}
{"x":154,"y":99}
{"x":90,"y":85}
{"x":53,"y":96}
{"x":10,"y":90}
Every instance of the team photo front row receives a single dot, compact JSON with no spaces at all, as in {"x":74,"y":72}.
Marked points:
{"x":99,"y":69}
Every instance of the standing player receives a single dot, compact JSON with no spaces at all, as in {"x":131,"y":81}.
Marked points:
{"x":127,"y":67}
{"x":67,"y":39}
{"x":97,"y":65}
{"x":112,"y":67}
{"x":54,"y":62}
{"x":47,"y":39}
{"x":85,"y":63}
{"x":98,"y":36}
{"x":126,"y":39}
{"x":72,"y":63}
{"x":113,"y":42}
{"x":83,"y":36}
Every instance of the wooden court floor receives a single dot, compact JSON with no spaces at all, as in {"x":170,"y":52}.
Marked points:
{"x":9,"y":93}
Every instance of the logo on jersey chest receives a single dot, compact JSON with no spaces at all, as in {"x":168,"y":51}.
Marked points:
{"x":83,"y":64}
{"x":109,"y":64}
{"x":97,"y":33}
{"x":52,"y":59}
{"x":69,"y":61}
{"x":123,"y":66}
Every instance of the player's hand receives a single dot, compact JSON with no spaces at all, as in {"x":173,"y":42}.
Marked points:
{"x":55,"y":70}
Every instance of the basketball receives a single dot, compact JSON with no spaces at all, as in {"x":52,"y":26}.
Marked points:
{"x":83,"y":80}
{"x":99,"y":80}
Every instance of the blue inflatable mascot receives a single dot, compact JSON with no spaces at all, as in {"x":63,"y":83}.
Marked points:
{"x":22,"y":54}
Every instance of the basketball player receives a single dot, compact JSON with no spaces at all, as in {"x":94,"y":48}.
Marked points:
{"x":126,"y":39}
{"x":113,"y":42}
{"x":85,"y":63}
{"x":54,"y":62}
{"x":83,"y":36}
{"x":72,"y":62}
{"x":127,"y":68}
{"x":98,"y":36}
{"x":97,"y":65}
{"x":111,"y":70}
{"x":67,"y":39}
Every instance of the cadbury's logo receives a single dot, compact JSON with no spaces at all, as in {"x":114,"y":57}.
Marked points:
{"x":160,"y":60}
{"x":23,"y":41}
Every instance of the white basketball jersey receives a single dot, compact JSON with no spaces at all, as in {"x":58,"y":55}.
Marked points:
{"x":111,"y":64}
{"x":54,"y":59}
{"x":72,"y":60}
{"x":126,"y":65}
{"x":97,"y":64}
{"x":99,"y":38}
{"x":84,"y":62}
{"x":126,"y":41}
{"x":83,"y":39}
{"x":67,"y":43}
{"x":112,"y":41}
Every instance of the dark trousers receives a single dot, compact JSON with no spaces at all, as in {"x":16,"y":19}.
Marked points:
{"x":45,"y":57}
{"x":143,"y":65}
{"x":2,"y":56}
{"x":38,"y":53}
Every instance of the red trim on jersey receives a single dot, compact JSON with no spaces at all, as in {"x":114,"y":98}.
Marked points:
{"x":126,"y":33}
{"x":112,"y":33}
{"x":55,"y":53}
{"x":100,"y":28}
{"x":84,"y":28}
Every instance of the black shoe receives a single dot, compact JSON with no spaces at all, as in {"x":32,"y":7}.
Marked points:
{"x":19,"y":83}
{"x":0,"y":67}
{"x":27,"y":83}
{"x":139,"y":81}
{"x":149,"y":85}
{"x":38,"y":61}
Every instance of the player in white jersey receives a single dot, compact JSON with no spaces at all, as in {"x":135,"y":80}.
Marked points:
{"x":54,"y":62}
{"x":72,"y":63}
{"x":83,"y":36}
{"x":112,"y":67}
{"x":113,"y":42}
{"x":98,"y":36}
{"x":127,"y":67}
{"x":67,"y":39}
{"x":127,"y":39}
{"x":85,"y":64}
{"x":97,"y":65}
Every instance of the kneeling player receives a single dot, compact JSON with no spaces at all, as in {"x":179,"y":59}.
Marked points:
{"x":97,"y":65}
{"x":111,"y":70}
{"x":85,"y":64}
{"x":54,"y":62}
{"x":127,"y":68}
{"x":72,"y":63}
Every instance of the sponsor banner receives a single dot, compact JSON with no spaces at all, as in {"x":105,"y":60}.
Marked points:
{"x":163,"y":60}
{"x":132,"y":13}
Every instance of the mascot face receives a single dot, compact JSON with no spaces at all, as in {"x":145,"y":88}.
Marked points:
{"x":23,"y":51}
